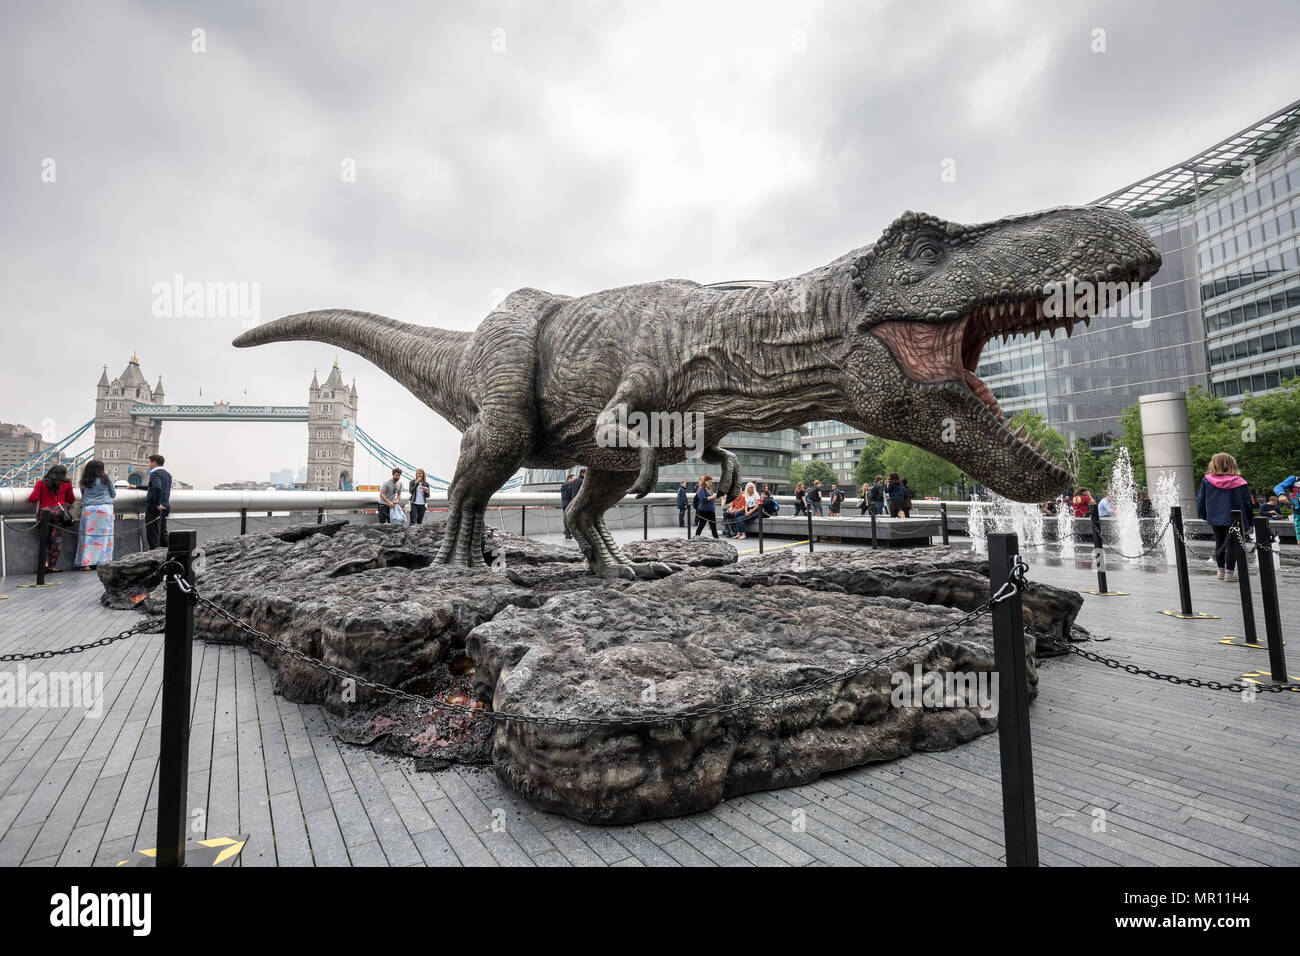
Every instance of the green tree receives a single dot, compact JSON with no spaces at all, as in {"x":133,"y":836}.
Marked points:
{"x":870,"y":464}
{"x":817,"y":470}
{"x":1054,"y":443}
{"x":924,"y":472}
{"x":796,"y":472}
{"x":1268,"y":436}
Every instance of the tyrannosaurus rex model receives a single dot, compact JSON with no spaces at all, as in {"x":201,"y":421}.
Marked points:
{"x":885,"y":339}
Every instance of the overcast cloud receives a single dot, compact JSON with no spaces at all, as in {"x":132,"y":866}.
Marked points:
{"x":566,"y":146}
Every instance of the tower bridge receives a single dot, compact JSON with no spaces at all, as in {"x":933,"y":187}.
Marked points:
{"x":129,"y":415}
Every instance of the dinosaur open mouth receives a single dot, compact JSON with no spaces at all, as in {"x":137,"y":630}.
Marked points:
{"x":948,"y":352}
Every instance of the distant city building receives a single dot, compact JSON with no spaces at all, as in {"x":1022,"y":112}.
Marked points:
{"x":838,"y":445}
{"x":19,"y":443}
{"x":765,"y":458}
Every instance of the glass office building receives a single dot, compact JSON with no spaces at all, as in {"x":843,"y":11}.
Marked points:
{"x":1223,"y":311}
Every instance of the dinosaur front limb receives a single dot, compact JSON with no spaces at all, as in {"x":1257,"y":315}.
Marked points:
{"x":729,"y":479}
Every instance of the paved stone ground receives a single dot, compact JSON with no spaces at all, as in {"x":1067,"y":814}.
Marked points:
{"x":1176,"y":776}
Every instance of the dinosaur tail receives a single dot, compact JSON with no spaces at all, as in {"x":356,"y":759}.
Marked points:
{"x":425,"y":360}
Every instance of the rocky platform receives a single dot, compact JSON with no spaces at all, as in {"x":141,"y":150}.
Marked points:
{"x":630,"y":666}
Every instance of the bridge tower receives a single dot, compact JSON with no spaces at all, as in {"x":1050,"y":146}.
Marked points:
{"x":123,"y":442}
{"x":330,"y":445}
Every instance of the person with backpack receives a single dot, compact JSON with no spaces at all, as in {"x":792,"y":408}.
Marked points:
{"x":771,"y":507}
{"x":908,"y":496}
{"x":896,"y":494}
{"x":813,"y":498}
{"x":53,"y":497}
{"x":704,"y":507}
{"x":1222,"y":492}
{"x":837,"y":499}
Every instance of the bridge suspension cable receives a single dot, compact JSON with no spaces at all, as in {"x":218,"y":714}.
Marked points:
{"x":380,"y":453}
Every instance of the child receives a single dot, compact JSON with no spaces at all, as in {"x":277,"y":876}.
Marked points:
{"x":1223,"y":491}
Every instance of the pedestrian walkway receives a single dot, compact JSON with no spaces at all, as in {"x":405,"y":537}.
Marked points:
{"x":1129,"y":771}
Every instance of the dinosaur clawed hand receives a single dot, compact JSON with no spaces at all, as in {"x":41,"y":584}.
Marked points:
{"x":649,"y":474}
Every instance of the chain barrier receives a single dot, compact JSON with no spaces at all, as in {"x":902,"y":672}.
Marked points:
{"x":1182,"y":539}
{"x":153,"y":624}
{"x":1188,"y":681}
{"x":1156,"y":543}
{"x":1014,"y":584}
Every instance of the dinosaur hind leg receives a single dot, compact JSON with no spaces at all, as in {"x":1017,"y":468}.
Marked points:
{"x":487,"y":460}
{"x":585,"y":520}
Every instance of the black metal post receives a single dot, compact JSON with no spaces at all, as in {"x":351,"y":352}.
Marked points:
{"x":1180,"y":559}
{"x":810,"y":534}
{"x":645,"y":522}
{"x":1237,"y":541}
{"x":943,"y":520}
{"x":42,"y":545}
{"x":690,"y":518}
{"x":874,"y":542}
{"x":1268,"y":593}
{"x":523,"y":521}
{"x":243,"y":520}
{"x":1098,"y":548}
{"x":760,"y":530}
{"x":174,"y":752}
{"x":1018,"y":818}
{"x":320,"y":515}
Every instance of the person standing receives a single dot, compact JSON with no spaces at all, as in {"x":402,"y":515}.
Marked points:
{"x":837,"y":499}
{"x":704,"y":506}
{"x":895,"y":493}
{"x":800,"y":499}
{"x":681,"y":504}
{"x":419,"y":491}
{"x":813,"y":498}
{"x":390,"y":494}
{"x":1222,"y":492}
{"x":157,"y":502}
{"x":908,"y":496}
{"x":566,"y":499}
{"x":53,"y":497}
{"x":95,"y":536}
{"x":878,"y":495}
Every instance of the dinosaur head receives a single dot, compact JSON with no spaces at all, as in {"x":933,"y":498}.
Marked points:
{"x":929,"y":296}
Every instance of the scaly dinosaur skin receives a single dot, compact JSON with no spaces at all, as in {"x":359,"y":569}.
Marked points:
{"x":885,"y":339}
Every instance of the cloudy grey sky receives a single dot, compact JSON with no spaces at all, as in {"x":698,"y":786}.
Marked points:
{"x":566,"y":146}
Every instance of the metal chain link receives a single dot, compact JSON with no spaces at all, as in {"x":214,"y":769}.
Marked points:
{"x":1188,"y":681}
{"x":151,"y":624}
{"x":1155,"y":543}
{"x":1015,"y":583}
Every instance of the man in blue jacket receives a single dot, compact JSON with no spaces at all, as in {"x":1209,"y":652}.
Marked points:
{"x":681,"y":504}
{"x":157,"y":502}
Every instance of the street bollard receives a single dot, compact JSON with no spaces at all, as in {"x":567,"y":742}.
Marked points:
{"x":810,"y":533}
{"x":1237,"y":541}
{"x":1180,"y":559}
{"x":1268,"y":593}
{"x":320,"y":515}
{"x":1098,"y":548}
{"x":645,"y":522}
{"x":760,"y":530}
{"x":243,"y":521}
{"x":690,"y":518}
{"x":42,"y":545}
{"x":874,"y":542}
{"x":174,"y":750}
{"x":523,"y":521}
{"x":943,"y":520}
{"x":1018,"y":818}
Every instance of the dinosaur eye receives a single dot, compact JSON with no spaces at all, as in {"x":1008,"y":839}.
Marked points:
{"x":927,"y":251}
